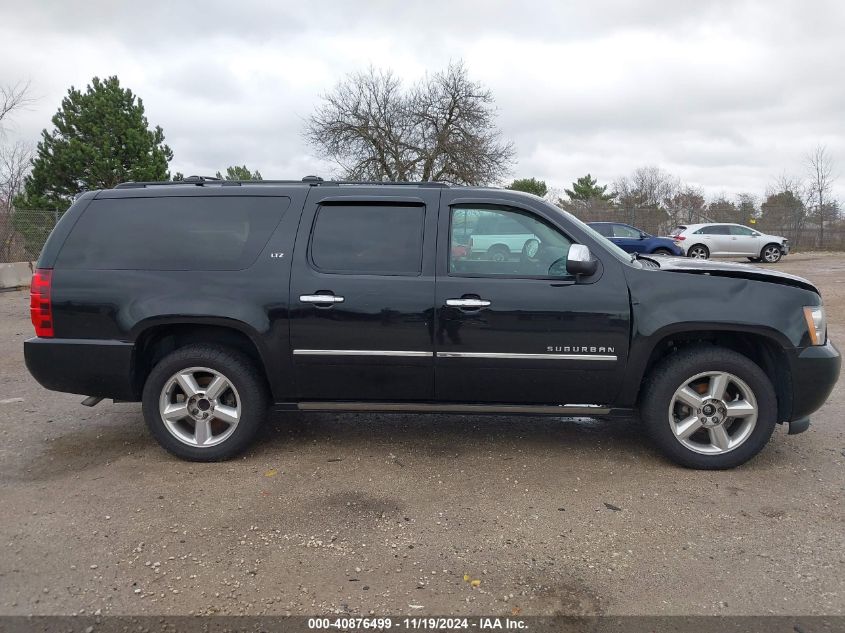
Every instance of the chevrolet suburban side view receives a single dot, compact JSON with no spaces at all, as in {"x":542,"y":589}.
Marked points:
{"x":210,"y":302}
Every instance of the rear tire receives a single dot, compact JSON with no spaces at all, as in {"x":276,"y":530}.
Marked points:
{"x":721,"y":441}
{"x":204,"y":402}
{"x":771,"y":254}
{"x":698,"y":251}
{"x":498,"y":253}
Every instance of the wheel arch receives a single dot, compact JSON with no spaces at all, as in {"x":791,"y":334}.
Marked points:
{"x":697,"y":244}
{"x":159,"y":337}
{"x":765,"y":349}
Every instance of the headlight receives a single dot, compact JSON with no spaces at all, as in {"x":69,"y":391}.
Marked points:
{"x":816,"y":324}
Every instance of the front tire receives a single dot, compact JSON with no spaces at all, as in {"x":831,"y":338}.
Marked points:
{"x":699,"y":251}
{"x":204,"y":403}
{"x":709,"y":408}
{"x":662,"y":251}
{"x":771,"y":254}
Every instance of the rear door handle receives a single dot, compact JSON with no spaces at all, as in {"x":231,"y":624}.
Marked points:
{"x":320,"y":299}
{"x":467,"y":303}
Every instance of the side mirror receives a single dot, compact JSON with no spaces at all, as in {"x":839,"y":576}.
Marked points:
{"x":579,"y":261}
{"x":643,"y":236}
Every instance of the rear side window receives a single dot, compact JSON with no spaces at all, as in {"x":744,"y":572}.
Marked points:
{"x":175,"y":233}
{"x":368,"y":239}
{"x":713,"y":230}
{"x":604,"y":229}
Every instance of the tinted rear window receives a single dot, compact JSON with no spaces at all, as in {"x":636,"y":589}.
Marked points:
{"x":368,"y":239}
{"x":178,"y":233}
{"x":678,"y":230}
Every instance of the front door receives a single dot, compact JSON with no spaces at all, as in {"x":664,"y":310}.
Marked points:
{"x":628,"y":238}
{"x":362,"y":287}
{"x":523,"y":330}
{"x":743,"y":241}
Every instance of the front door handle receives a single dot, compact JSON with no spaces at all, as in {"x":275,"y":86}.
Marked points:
{"x":320,"y":299}
{"x":467,"y":303}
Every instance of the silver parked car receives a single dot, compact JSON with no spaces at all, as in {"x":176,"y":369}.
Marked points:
{"x":703,"y":241}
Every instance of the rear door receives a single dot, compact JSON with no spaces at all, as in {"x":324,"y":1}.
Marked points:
{"x":715,"y":237}
{"x":362,"y":290}
{"x":524,"y":331}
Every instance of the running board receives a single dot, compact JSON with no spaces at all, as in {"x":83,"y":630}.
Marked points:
{"x":424,"y":407}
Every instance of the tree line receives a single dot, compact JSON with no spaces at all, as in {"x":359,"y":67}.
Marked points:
{"x":374,"y":127}
{"x":800,"y":206}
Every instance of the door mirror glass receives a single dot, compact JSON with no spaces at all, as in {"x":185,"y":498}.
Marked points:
{"x":579,"y":261}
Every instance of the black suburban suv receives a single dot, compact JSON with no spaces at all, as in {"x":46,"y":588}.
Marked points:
{"x":212,"y":301}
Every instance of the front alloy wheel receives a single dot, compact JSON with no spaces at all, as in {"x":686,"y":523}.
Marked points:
{"x":771,"y":254}
{"x":708,"y":407}
{"x":713,"y":413}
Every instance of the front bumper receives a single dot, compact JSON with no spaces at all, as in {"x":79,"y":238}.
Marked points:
{"x":88,"y":367}
{"x":815,"y":371}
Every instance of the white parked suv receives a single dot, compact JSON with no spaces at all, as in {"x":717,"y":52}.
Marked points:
{"x":703,"y":241}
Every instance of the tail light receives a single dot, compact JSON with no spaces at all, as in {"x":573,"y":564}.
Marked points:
{"x":40,"y":306}
{"x":679,"y":238}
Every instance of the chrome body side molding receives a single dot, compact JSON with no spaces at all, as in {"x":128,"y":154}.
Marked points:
{"x":426,"y":407}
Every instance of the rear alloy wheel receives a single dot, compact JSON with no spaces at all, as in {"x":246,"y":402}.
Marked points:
{"x":204,"y":403}
{"x":771,"y":254}
{"x":699,"y":251}
{"x":708,"y":407}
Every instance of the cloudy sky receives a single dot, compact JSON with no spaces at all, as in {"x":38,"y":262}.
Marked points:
{"x":725,"y":95}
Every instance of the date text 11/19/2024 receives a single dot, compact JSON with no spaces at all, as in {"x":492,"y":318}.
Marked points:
{"x":420,"y":623}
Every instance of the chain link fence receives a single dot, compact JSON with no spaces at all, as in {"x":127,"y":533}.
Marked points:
{"x":24,"y":231}
{"x":805,"y":235}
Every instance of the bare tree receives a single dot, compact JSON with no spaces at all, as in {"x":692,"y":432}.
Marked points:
{"x":821,"y":179}
{"x":646,"y":193}
{"x":686,"y":205}
{"x":15,"y":163}
{"x":13,"y":97}
{"x":785,"y":207}
{"x":443,"y":128}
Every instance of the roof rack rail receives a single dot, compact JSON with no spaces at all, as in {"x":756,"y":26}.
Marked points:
{"x":312,"y":181}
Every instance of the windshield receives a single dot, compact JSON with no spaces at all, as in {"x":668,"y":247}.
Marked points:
{"x":609,"y":246}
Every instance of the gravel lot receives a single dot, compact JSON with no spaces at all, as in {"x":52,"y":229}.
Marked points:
{"x":388,"y":514}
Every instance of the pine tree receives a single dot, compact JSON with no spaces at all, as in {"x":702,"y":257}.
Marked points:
{"x":586,"y":189}
{"x":239,"y":172}
{"x":530,"y":185}
{"x":101,"y":138}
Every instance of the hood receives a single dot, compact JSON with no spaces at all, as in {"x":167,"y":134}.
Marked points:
{"x":731,"y":269}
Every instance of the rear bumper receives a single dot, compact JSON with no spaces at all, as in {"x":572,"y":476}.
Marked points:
{"x":85,"y":366}
{"x":815,"y":371}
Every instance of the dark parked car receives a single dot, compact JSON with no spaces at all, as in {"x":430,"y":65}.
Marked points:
{"x":211,"y":301}
{"x":633,"y":240}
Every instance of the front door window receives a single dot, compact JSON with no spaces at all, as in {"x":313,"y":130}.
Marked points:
{"x":504,"y":242}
